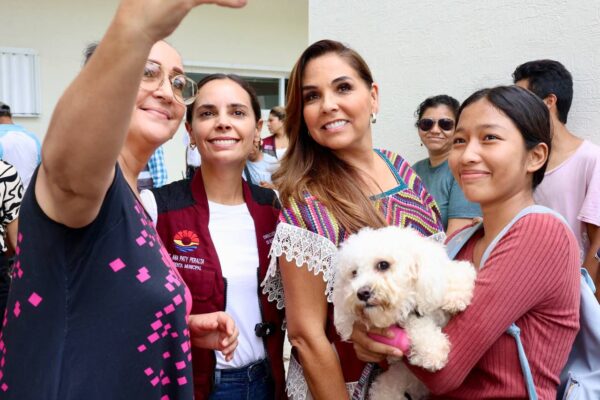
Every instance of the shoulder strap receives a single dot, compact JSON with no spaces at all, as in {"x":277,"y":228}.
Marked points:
{"x":534,"y":209}
{"x":457,"y":242}
{"x":513,"y":329}
{"x":515,"y":332}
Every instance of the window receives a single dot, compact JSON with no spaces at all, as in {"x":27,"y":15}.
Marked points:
{"x":19,"y":81}
{"x":268,"y":90}
{"x":269,"y":83}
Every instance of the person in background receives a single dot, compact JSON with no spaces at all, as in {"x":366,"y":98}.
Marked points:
{"x":157,"y":168}
{"x":154,"y":173}
{"x":192,"y":157}
{"x":436,"y":120}
{"x":332,"y":183}
{"x":11,"y":194}
{"x":276,"y":144}
{"x":218,"y":228}
{"x":97,"y":310}
{"x":531,"y":277}
{"x":572,"y":182}
{"x":18,"y":146}
{"x":259,"y":165}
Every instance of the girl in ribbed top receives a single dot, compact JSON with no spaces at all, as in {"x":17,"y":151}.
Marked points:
{"x":499,"y":155}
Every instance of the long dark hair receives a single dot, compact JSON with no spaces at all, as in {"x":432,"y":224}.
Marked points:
{"x":527,"y":111}
{"x":308,"y":166}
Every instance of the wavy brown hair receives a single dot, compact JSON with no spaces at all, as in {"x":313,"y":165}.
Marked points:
{"x":308,"y":166}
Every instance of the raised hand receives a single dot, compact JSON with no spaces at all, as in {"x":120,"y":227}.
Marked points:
{"x":157,"y":19}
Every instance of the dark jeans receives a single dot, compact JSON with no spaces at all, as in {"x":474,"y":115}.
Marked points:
{"x":252,"y":382}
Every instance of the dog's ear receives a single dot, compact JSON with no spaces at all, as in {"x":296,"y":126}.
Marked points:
{"x":428,"y":281}
{"x":343,"y":318}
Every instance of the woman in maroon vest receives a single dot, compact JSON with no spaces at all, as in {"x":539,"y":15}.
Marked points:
{"x":218,"y":229}
{"x":276,"y":144}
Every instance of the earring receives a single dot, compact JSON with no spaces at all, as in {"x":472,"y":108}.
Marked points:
{"x":192,"y":146}
{"x":373,"y":118}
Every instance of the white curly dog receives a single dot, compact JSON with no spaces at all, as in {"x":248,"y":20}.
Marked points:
{"x":393,"y":276}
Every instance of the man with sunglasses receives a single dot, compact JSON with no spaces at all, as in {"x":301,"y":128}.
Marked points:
{"x":571,"y":183}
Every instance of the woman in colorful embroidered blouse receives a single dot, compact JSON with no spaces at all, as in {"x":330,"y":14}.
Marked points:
{"x":332,"y":183}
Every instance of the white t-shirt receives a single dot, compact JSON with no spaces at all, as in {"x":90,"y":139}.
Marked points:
{"x":149,"y":203}
{"x":280,"y":153}
{"x":21,"y":149}
{"x":262,"y":170}
{"x":234,"y":236}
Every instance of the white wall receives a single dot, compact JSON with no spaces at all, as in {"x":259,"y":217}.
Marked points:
{"x":269,"y":33}
{"x":420,"y":48}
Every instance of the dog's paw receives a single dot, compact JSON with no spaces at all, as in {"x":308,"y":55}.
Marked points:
{"x":460,"y":285}
{"x":433,"y":355}
{"x":456,"y":301}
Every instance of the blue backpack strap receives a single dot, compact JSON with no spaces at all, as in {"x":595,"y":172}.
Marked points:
{"x":457,"y":242}
{"x":588,"y":279}
{"x":515,"y":332}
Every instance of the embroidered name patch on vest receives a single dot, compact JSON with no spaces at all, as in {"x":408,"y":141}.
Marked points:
{"x":186,"y":241}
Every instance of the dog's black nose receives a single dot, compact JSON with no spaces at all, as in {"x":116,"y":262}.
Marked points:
{"x":364,"y":293}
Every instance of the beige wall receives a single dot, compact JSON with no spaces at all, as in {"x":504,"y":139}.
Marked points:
{"x":267,"y":33}
{"x":420,"y":48}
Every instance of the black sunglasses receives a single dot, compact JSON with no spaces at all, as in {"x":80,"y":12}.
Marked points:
{"x":426,"y":124}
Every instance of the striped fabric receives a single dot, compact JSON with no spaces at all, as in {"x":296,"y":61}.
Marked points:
{"x":408,"y":204}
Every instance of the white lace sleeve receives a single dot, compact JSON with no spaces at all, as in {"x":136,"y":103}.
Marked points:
{"x":304,"y":247}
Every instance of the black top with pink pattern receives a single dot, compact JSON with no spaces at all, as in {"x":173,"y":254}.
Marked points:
{"x":97,"y":312}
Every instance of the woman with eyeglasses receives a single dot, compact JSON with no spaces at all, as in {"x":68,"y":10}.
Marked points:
{"x":436,"y":122}
{"x":218,"y":230}
{"x":97,"y":310}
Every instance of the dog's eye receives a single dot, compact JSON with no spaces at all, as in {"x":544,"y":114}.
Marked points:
{"x":354,"y":273}
{"x":383,"y":265}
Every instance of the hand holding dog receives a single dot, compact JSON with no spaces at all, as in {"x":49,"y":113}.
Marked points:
{"x":369,"y":350}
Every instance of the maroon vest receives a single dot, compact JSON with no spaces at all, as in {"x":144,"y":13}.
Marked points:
{"x":268,"y":146}
{"x":182,"y":224}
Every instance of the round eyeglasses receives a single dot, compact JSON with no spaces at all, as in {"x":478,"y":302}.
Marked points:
{"x":184,"y":88}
